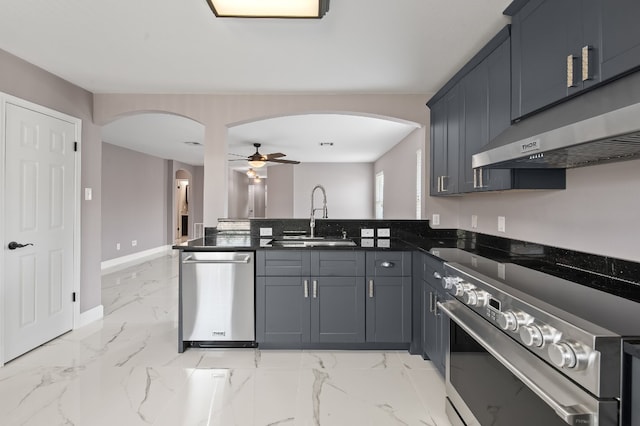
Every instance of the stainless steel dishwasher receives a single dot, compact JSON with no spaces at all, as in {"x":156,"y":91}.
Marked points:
{"x":217,"y":303}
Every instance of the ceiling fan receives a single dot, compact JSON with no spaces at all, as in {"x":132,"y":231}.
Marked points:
{"x":258,"y":160}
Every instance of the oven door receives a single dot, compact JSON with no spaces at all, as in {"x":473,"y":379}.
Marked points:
{"x":493,"y":380}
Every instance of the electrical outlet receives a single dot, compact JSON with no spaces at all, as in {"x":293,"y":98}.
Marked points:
{"x":384,"y":232}
{"x":366,"y":233}
{"x":474,"y":221}
{"x":501,"y":270}
{"x":266,"y":232}
{"x":502,"y":226}
{"x":435,"y":219}
{"x":117,"y":246}
{"x":134,"y":243}
{"x":366,"y":242}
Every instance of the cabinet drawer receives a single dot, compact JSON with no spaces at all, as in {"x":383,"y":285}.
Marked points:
{"x":432,"y":268}
{"x":337,"y":263}
{"x":283,"y":262}
{"x":388,"y":263}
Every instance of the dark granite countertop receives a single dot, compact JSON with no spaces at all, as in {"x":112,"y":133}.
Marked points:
{"x":616,"y":276}
{"x":225,"y":242}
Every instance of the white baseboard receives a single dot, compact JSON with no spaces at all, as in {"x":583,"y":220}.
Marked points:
{"x":89,"y":316}
{"x":118,"y":263}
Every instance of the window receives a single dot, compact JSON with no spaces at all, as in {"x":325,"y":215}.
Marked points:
{"x":419,"y":184}
{"x":379,"y":194}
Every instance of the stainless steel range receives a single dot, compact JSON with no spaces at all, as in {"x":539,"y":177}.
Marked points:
{"x":528,"y":348}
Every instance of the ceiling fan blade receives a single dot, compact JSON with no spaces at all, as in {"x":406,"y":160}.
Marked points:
{"x":237,"y":159}
{"x":274,"y":155}
{"x":238,"y":155}
{"x":275,"y":160}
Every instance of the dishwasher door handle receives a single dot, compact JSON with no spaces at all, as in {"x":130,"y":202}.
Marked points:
{"x":244,"y":259}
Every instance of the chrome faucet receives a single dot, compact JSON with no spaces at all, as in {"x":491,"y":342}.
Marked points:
{"x":312,"y":223}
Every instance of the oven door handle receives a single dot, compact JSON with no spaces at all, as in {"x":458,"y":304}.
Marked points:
{"x":576,"y":414}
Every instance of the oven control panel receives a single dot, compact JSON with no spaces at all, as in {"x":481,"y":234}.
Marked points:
{"x":499,"y":309}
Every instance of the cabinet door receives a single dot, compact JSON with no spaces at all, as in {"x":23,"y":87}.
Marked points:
{"x":283,"y":310}
{"x":475,"y":128}
{"x":499,"y":110}
{"x":337,"y":309}
{"x":445,"y":139}
{"x":620,"y":36}
{"x":431,"y":343}
{"x":388,"y":309}
{"x":544,"y":34}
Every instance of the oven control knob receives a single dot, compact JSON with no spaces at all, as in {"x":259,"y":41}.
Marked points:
{"x":459,"y":289}
{"x":449,"y":282}
{"x":568,"y":355}
{"x":511,"y":320}
{"x":536,"y":335}
{"x":475,"y":297}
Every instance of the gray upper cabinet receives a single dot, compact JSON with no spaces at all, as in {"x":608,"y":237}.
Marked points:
{"x":481,"y":110}
{"x":556,"y":49}
{"x":445,"y":140}
{"x":487,"y":99}
{"x":620,"y":37}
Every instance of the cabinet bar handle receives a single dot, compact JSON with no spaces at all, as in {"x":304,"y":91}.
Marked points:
{"x":315,"y":289}
{"x":439,"y":186}
{"x":443,"y":185}
{"x":306,"y":289}
{"x":430,"y":301}
{"x":570,"y":81}
{"x":480,"y":177}
{"x":370,"y":289}
{"x":475,"y":178}
{"x":586,"y":63}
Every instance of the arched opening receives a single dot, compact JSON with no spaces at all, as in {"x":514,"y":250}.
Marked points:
{"x":152,"y":175}
{"x":337,"y":149}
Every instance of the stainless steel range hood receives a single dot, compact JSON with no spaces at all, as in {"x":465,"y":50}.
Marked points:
{"x":597,"y":127}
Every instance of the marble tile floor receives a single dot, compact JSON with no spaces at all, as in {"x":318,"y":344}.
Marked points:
{"x":126,"y":370}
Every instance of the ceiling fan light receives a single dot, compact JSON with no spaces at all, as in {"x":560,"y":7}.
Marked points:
{"x":251,"y":173}
{"x":256,"y":164}
{"x":269,"y":9}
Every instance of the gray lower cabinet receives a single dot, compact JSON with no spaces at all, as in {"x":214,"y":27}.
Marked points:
{"x":435,"y":329}
{"x":310,"y":296}
{"x":388,"y":306}
{"x":337,"y":310}
{"x":282,"y":311}
{"x":307,"y":297}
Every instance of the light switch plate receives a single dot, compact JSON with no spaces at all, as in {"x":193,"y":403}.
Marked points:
{"x":384,"y":232}
{"x":384,"y":243}
{"x":266,"y":232}
{"x":88,"y":194}
{"x":364,"y":233}
{"x":474,"y":221}
{"x":435,"y":219}
{"x":366,"y":242}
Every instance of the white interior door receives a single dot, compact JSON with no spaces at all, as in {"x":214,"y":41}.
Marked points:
{"x":39,"y":211}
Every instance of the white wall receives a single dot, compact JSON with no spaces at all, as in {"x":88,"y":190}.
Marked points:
{"x":280,"y":191}
{"x":238,"y":194}
{"x":349,"y":189}
{"x":598,"y":213}
{"x":399,"y":167}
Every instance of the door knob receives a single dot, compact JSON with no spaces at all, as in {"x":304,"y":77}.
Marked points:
{"x":13,"y":245}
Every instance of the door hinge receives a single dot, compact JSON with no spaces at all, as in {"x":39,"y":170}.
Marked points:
{"x":75,"y":146}
{"x":73,"y":296}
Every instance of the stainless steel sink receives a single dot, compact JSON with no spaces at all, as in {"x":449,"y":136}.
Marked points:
{"x":301,"y":241}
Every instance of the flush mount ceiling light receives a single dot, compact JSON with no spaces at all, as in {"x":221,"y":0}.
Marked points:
{"x":269,"y":8}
